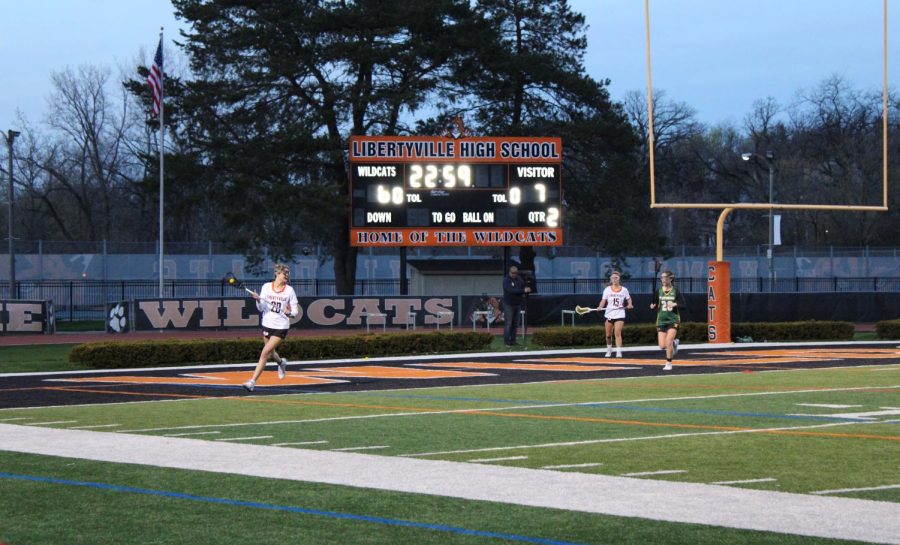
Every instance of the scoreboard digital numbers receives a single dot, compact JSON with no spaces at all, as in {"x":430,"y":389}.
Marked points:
{"x":436,"y":191}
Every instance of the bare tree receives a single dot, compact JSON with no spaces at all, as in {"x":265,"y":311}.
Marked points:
{"x":77,"y":175}
{"x":837,"y":132}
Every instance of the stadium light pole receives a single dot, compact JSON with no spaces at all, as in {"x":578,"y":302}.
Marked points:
{"x":770,"y":162}
{"x":10,"y":136}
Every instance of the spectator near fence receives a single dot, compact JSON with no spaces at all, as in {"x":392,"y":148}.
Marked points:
{"x":514,"y":292}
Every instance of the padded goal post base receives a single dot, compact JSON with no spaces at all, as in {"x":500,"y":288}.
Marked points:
{"x":718,"y":302}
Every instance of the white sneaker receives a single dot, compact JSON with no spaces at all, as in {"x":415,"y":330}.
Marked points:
{"x":282,"y":367}
{"x":668,"y":366}
{"x":608,"y":352}
{"x":675,"y":348}
{"x":618,"y":353}
{"x":249,"y":385}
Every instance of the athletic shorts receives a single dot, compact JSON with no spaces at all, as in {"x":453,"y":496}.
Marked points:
{"x":614,"y":320}
{"x":269,"y":332}
{"x":665,"y":327}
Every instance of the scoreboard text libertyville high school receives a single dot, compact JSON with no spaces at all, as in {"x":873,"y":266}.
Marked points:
{"x":436,"y":191}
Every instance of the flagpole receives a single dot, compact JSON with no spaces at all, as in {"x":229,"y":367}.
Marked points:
{"x":162,"y":143}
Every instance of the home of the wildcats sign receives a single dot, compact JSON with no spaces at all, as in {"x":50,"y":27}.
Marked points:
{"x":315,"y":312}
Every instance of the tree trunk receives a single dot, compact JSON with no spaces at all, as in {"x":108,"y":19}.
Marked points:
{"x":344,"y":261}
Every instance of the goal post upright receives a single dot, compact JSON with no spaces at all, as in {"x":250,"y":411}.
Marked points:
{"x":719,"y":274}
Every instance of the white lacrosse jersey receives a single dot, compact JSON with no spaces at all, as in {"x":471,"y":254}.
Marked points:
{"x":615,"y":302}
{"x":272,"y":305}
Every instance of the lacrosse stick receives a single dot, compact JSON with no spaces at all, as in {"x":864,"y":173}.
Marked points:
{"x":581,"y":311}
{"x":232,"y":281}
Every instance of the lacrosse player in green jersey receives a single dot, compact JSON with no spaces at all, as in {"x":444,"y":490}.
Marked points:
{"x":668,"y":317}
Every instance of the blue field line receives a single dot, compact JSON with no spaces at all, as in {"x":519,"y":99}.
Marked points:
{"x":287,"y":508}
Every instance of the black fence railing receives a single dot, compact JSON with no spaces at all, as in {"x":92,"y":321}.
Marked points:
{"x":86,"y":299}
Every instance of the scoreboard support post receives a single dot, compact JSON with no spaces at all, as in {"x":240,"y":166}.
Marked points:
{"x":404,"y":281}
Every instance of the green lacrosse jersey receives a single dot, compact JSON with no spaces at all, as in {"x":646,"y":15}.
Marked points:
{"x":667,"y":311}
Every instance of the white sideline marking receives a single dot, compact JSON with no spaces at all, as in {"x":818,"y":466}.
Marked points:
{"x":508,"y":458}
{"x":192,"y":433}
{"x":641,"y":438}
{"x":95,"y":426}
{"x":747,"y":481}
{"x":300,"y":443}
{"x":245,"y":438}
{"x":504,"y":408}
{"x":16,"y":418}
{"x":842,"y":490}
{"x":566,"y":466}
{"x":438,"y":357}
{"x":49,"y":423}
{"x":732,"y":507}
{"x":349,"y":449}
{"x":827,"y":406}
{"x":660,"y":472}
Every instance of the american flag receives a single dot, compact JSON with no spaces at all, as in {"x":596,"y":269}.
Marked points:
{"x":155,"y":79}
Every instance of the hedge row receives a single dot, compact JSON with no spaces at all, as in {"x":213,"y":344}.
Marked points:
{"x":114,"y":355}
{"x":888,"y":329}
{"x":693,"y":332}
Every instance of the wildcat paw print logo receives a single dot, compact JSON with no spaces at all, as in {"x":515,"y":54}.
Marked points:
{"x":118,"y":321}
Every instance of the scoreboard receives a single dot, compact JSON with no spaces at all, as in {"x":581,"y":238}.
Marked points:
{"x":437,"y":191}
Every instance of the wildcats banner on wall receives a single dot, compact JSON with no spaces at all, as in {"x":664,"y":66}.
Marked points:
{"x":20,"y":316}
{"x":315,"y":312}
{"x":351,"y":312}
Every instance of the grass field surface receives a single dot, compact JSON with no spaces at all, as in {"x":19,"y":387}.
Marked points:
{"x":825,"y":432}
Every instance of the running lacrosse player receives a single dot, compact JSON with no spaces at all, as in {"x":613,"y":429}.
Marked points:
{"x":668,"y":316}
{"x":278,"y":304}
{"x":616,"y":300}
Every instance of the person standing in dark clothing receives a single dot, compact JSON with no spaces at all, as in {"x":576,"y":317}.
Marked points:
{"x":514,"y":291}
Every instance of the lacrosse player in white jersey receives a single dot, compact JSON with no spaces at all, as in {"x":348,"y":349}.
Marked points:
{"x":278,"y":304}
{"x":616,"y":300}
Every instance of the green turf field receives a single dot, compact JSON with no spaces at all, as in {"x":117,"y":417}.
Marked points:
{"x":765,"y":430}
{"x":36,"y":358}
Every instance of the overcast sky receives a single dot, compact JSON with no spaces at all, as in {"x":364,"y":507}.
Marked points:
{"x":716,"y":55}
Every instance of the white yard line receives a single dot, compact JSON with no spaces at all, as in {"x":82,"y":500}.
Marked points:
{"x":300,"y":443}
{"x":867,"y":489}
{"x":648,"y":473}
{"x":95,"y":426}
{"x":747,"y":481}
{"x":16,"y":418}
{"x":192,"y":433}
{"x":827,"y":406}
{"x":50,"y":423}
{"x":350,"y":449}
{"x":253,"y":438}
{"x":507,"y":459}
{"x":567,"y":466}
{"x":732,"y":507}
